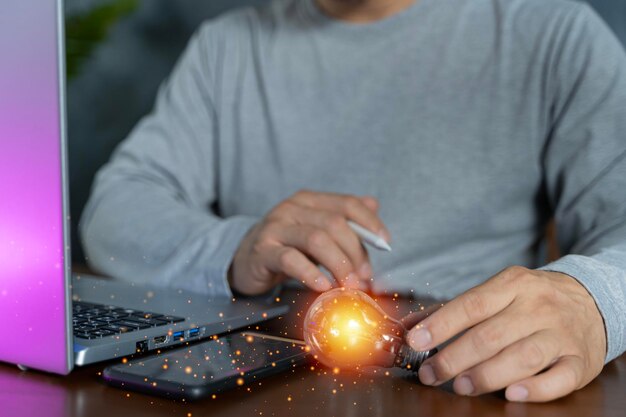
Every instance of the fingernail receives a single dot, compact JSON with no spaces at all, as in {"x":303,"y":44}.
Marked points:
{"x":352,"y":280}
{"x":365,"y":270}
{"x":322,"y":283}
{"x":419,"y":338}
{"x":516,"y":393}
{"x":385,"y":234}
{"x":427,"y":375}
{"x":464,"y":386}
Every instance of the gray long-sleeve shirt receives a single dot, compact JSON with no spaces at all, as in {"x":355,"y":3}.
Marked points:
{"x":473,"y":122}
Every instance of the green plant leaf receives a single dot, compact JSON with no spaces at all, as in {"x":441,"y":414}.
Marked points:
{"x":83,"y":33}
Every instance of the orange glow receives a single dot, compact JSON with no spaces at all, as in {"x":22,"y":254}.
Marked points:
{"x":346,"y":329}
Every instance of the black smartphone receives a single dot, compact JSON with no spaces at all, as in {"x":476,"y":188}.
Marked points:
{"x":206,"y":368}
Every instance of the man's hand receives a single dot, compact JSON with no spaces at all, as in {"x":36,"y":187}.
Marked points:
{"x":307,"y":229}
{"x":538,"y":334}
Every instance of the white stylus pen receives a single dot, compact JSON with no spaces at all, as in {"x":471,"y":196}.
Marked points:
{"x":369,"y":237}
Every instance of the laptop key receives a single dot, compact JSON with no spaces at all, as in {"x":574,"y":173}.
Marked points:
{"x":82,"y":335}
{"x":85,"y":328}
{"x":118,"y":315}
{"x":130,"y":323}
{"x":147,"y":315}
{"x":107,"y":318}
{"x":125,"y":311}
{"x":172,"y":319}
{"x":116,"y":328}
{"x":101,"y":333}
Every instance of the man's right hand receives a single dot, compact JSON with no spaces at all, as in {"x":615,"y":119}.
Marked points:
{"x":302,"y":232}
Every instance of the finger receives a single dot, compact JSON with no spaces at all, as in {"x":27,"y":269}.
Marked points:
{"x":565,"y":376}
{"x":349,"y":206}
{"x":294,"y":264}
{"x":319,"y":245}
{"x":371,"y":203}
{"x":465,"y":311}
{"x":482,"y":342}
{"x":412,"y":319}
{"x":337,"y":226}
{"x":519,"y":361}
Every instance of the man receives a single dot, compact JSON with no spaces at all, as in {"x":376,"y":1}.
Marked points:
{"x":457,"y":127}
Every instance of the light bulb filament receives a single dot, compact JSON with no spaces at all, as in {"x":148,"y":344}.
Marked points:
{"x":346,"y":328}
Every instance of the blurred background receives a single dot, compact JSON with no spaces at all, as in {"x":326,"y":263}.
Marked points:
{"x":119,"y":51}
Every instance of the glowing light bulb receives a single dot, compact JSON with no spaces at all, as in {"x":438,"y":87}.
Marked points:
{"x":345,"y":328}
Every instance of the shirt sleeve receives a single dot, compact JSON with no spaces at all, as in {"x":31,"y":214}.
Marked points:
{"x":584,"y":162}
{"x":149,"y":217}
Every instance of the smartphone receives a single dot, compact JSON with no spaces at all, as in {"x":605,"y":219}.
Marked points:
{"x":210,"y":367}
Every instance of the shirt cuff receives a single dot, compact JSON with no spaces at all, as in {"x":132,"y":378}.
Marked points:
{"x":604,"y":282}
{"x":234,"y":230}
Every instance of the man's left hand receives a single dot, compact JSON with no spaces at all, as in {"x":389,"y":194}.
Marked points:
{"x":538,"y":334}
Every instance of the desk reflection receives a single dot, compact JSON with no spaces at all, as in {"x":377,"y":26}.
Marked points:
{"x":307,"y":391}
{"x":23,"y":393}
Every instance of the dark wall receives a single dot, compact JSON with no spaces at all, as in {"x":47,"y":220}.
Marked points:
{"x":117,"y":83}
{"x":614,"y":12}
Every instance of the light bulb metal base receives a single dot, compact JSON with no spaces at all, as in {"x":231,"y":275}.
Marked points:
{"x":411,"y":359}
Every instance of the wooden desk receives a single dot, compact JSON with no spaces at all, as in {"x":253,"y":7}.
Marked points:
{"x":303,"y":392}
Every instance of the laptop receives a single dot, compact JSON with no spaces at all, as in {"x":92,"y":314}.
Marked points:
{"x":52,"y":320}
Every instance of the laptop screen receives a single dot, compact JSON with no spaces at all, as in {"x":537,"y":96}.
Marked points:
{"x":33,"y":290}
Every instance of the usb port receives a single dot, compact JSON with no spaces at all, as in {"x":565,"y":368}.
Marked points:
{"x":194,"y":332}
{"x":178,"y":336}
{"x":160,"y":339}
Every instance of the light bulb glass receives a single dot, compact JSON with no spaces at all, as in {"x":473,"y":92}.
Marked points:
{"x":347,"y":329}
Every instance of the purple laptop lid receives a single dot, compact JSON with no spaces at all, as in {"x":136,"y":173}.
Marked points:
{"x":34,"y":291}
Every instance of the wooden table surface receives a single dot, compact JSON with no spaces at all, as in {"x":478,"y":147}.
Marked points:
{"x":303,"y":392}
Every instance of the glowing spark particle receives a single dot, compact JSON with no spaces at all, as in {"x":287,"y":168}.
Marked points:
{"x":335,"y":370}
{"x":124,"y":360}
{"x":188,"y":370}
{"x":289,"y":398}
{"x":239,"y":381}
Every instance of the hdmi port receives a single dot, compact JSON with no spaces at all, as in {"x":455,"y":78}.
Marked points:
{"x":160,"y":339}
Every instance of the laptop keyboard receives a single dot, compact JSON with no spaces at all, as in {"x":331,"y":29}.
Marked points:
{"x":94,"y":321}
